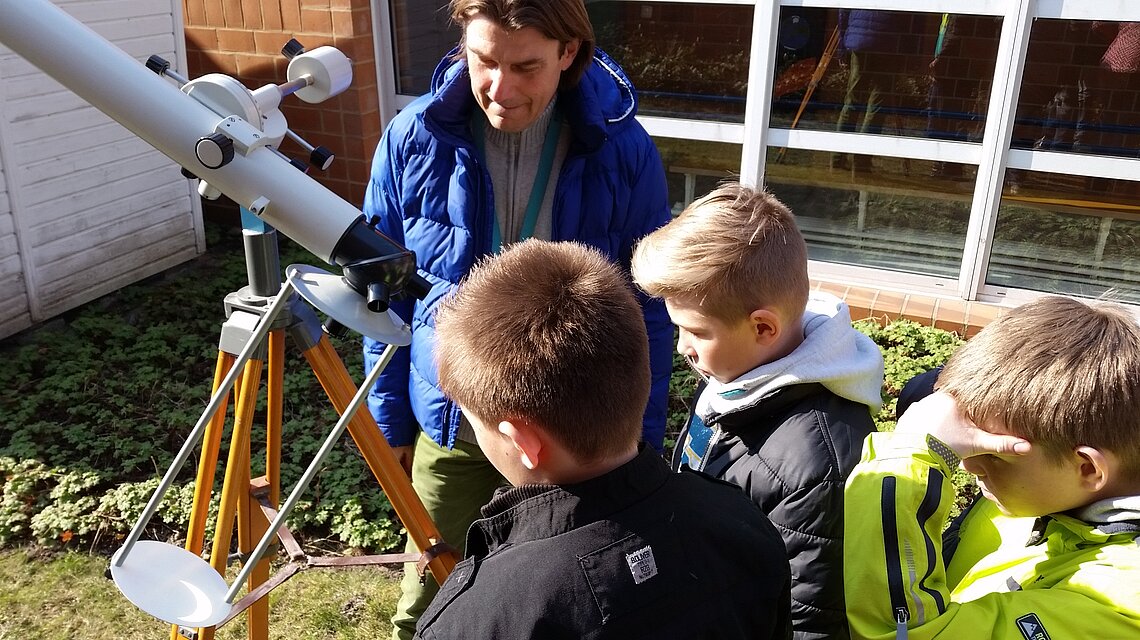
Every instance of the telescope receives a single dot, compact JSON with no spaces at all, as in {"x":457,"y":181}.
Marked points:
{"x":227,"y":136}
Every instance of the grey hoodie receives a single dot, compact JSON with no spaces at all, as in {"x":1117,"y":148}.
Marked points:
{"x":846,"y":362}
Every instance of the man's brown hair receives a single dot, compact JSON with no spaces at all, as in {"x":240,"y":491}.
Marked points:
{"x":548,"y":332}
{"x":561,"y":20}
{"x":732,"y":251}
{"x":1057,"y":372}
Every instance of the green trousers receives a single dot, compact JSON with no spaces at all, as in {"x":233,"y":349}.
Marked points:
{"x":453,"y":485}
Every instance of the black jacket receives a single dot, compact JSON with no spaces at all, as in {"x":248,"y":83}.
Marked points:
{"x":791,"y":452}
{"x":636,"y":553}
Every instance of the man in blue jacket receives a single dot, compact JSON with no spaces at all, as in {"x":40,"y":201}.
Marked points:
{"x":528,"y":131}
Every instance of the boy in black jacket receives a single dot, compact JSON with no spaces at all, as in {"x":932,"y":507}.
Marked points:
{"x":544,"y":348}
{"x":789,"y":384}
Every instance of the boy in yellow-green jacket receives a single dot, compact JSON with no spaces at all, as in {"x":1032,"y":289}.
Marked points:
{"x":1043,"y":406}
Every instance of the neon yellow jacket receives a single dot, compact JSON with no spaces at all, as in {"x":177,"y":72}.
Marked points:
{"x":1074,"y":579}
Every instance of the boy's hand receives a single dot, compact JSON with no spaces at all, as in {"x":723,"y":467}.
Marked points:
{"x":939,"y":416}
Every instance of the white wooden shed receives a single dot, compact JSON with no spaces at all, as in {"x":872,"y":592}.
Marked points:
{"x":86,"y":207}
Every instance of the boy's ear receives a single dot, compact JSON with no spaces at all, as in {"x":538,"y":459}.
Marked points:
{"x":1097,"y":470}
{"x":527,"y":441}
{"x":766,"y":326}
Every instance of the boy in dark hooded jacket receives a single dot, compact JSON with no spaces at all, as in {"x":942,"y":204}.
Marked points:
{"x":789,"y":384}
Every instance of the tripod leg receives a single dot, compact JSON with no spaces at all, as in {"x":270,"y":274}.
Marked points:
{"x":236,"y":482}
{"x":207,"y":466}
{"x":339,"y":387}
{"x":257,"y":617}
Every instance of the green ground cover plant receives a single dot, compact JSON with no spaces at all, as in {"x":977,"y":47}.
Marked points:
{"x":97,"y":402}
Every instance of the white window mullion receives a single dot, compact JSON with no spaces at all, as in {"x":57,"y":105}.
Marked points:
{"x":384,"y":50}
{"x":761,"y":75}
{"x":1010,"y":62}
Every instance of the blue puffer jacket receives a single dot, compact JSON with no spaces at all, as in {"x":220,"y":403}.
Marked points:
{"x":430,"y":192}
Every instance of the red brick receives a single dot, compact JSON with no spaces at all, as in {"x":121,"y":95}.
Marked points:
{"x":316,"y":20}
{"x":231,"y":9}
{"x":221,"y":62}
{"x":268,"y":42}
{"x":919,"y":309}
{"x":290,"y":16}
{"x":889,"y":303}
{"x":356,"y":194}
{"x":194,"y":12}
{"x":364,"y":75}
{"x":979,"y":315}
{"x":302,"y":118}
{"x":271,"y":15}
{"x":342,"y":23}
{"x":951,"y":315}
{"x":215,"y":17}
{"x":201,"y":38}
{"x":239,"y":41}
{"x":251,"y":14}
{"x":332,"y":122}
{"x":252,"y":66}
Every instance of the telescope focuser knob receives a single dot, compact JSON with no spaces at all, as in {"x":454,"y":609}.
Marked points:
{"x":321,"y":158}
{"x":292,"y":49}
{"x":214,"y":151}
{"x":157,"y":64}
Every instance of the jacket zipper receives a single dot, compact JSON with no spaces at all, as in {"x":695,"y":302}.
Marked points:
{"x":899,"y":610}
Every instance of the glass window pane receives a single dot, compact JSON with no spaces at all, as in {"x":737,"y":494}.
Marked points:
{"x":886,"y":72}
{"x":896,"y":217}
{"x":694,"y":167}
{"x":1068,"y":234}
{"x":1080,"y":91}
{"x":423,"y":34}
{"x":686,"y":60}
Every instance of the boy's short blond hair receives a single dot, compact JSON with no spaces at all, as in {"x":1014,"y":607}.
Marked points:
{"x":1057,"y":372}
{"x":549,"y":332}
{"x":732,"y":251}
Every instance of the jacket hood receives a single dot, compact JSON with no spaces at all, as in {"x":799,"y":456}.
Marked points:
{"x":833,"y":353}
{"x":603,"y":101}
{"x":1113,"y":515}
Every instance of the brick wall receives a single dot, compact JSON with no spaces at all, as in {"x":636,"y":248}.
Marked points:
{"x":243,"y":39}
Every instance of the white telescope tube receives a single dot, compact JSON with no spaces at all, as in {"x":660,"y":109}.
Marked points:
{"x":172,"y":122}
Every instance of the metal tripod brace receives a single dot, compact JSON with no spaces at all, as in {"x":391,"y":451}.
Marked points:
{"x":253,"y":501}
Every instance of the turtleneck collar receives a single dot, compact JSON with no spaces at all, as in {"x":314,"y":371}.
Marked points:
{"x":532,"y":136}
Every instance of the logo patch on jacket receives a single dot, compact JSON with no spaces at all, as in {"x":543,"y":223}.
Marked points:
{"x":1031,"y":627}
{"x":697,"y":444}
{"x":641,"y":564}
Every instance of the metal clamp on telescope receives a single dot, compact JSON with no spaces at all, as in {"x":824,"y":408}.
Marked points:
{"x":372,"y":264}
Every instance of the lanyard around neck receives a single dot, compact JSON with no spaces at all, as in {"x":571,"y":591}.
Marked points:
{"x":541,"y":177}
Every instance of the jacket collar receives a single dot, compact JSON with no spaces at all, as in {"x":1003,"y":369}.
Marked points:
{"x":603,"y":101}
{"x":1094,"y":523}
{"x":532,"y":512}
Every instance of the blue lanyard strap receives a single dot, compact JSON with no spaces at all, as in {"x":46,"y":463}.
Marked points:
{"x":541,"y":177}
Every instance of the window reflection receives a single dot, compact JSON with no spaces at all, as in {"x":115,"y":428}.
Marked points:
{"x":686,"y":60}
{"x":1068,"y":234}
{"x":898,"y":219}
{"x":423,"y":34}
{"x":693,"y":167}
{"x":1080,"y":90}
{"x":885,"y":72}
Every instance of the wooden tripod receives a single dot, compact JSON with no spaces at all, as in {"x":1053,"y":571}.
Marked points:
{"x":253,"y":501}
